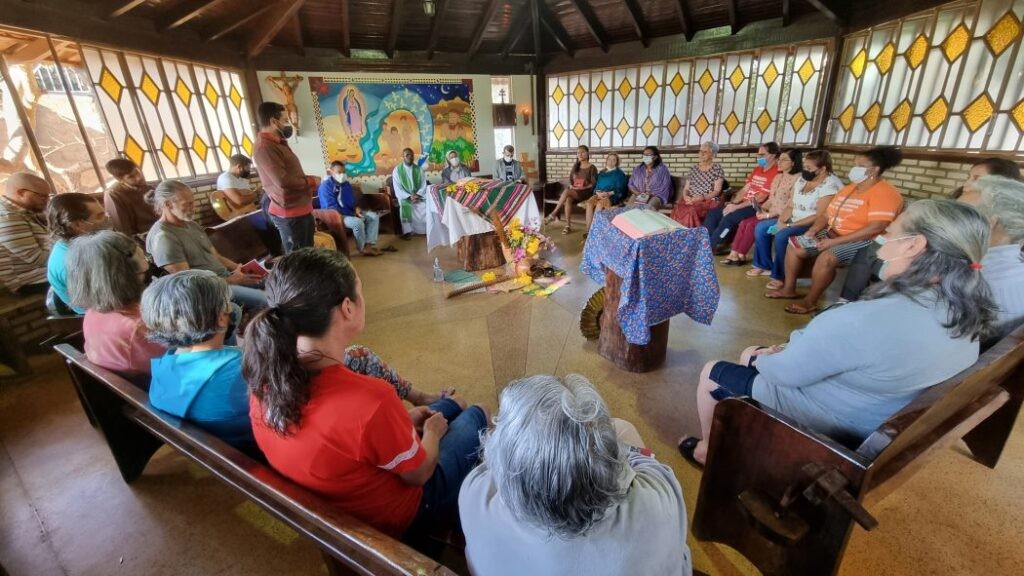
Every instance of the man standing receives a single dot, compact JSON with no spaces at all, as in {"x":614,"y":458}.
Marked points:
{"x":24,"y":245}
{"x":336,"y":194}
{"x":235,"y":184}
{"x":125,"y":201}
{"x":411,"y":189}
{"x":291,"y":204}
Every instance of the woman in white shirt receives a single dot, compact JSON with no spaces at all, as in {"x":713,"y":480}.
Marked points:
{"x":811,"y":193}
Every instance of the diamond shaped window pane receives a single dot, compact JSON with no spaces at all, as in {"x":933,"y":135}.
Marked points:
{"x":846,"y":117}
{"x":133,"y":151}
{"x":677,"y":84}
{"x":885,"y":58}
{"x":625,"y":88}
{"x":578,"y":129}
{"x":871,"y":117}
{"x":200,"y":147}
{"x":770,"y":75}
{"x":858,"y":63}
{"x":1018,"y":115}
{"x":900,"y":115}
{"x":170,"y":149}
{"x":978,"y":112}
{"x":558,"y":95}
{"x":701,"y":125}
{"x":956,"y":43}
{"x":674,"y":124}
{"x":600,"y":128}
{"x":936,"y":113}
{"x":558,"y":130}
{"x":917,"y":51}
{"x":705,"y":81}
{"x":183,"y":92}
{"x":601,"y":91}
{"x":731,"y":122}
{"x":1004,"y":32}
{"x":806,"y":70}
{"x":622,"y":128}
{"x":236,"y":97}
{"x":764,"y":119}
{"x":247,"y":145}
{"x":798,"y":120}
{"x":211,"y":95}
{"x":224,"y":145}
{"x":111,"y":85}
{"x":736,"y":78}
{"x":650,"y":86}
{"x":149,"y":89}
{"x":647,"y":127}
{"x":578,"y":93}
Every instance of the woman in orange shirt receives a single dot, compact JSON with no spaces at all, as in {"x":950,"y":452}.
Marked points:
{"x":857,"y":214}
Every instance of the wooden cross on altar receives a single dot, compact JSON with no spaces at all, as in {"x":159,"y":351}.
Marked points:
{"x":529,"y":167}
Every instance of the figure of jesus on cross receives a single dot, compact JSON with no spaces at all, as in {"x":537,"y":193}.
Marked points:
{"x":285,"y":86}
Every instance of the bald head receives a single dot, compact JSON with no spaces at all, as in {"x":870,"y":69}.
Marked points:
{"x":27,"y":191}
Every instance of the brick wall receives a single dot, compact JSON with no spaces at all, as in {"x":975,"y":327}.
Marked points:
{"x":28,"y":324}
{"x":914,"y":178}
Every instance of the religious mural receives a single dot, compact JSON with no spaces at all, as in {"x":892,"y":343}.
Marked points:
{"x":367,"y":124}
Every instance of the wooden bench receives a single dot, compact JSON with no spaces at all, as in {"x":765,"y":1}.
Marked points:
{"x":12,"y":350}
{"x":134,"y":430}
{"x":240,"y":240}
{"x":786,"y":497}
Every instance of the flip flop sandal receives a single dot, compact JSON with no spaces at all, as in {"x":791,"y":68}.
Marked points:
{"x":800,"y":310}
{"x":753,"y":272}
{"x":728,"y":262}
{"x":566,"y":231}
{"x":686,"y":448}
{"x":773,"y":295}
{"x":774,"y":285}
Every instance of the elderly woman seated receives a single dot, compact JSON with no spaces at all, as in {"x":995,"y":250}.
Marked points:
{"x":345,"y":435}
{"x":855,"y":366}
{"x":199,"y":378}
{"x":566,"y":489}
{"x":702,"y":189}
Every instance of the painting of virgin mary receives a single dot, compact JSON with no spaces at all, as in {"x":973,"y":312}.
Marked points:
{"x":351,"y":110}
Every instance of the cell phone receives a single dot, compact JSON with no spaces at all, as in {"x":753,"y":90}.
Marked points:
{"x":809,"y":244}
{"x":756,"y":205}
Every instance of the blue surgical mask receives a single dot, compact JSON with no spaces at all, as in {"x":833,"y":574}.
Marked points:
{"x":762,"y":162}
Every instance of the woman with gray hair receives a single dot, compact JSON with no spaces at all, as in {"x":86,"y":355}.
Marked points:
{"x":199,"y":378}
{"x":1001,"y":200}
{"x":854,"y":366}
{"x":702,"y":189}
{"x":109,"y":276}
{"x":566,"y":489}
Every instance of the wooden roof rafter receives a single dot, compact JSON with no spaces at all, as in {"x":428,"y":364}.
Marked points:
{"x":555,"y":29}
{"x":685,"y":22}
{"x":185,"y":13}
{"x":829,"y":9}
{"x":396,"y":17}
{"x":481,"y":27}
{"x":122,"y":7}
{"x":236,"y":24}
{"x":275,"y":21}
{"x":592,"y":22}
{"x":516,"y":31}
{"x":639,"y":24}
{"x":435,"y":27}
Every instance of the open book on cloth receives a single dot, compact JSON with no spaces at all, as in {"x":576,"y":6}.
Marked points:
{"x":640,"y":223}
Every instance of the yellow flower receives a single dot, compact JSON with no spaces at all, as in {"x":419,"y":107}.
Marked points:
{"x":524,"y":279}
{"x":515,"y":223}
{"x":533,"y":246}
{"x":488,"y":276}
{"x":516,"y":235}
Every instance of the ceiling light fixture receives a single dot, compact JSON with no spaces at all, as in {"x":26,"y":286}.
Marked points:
{"x":428,"y":7}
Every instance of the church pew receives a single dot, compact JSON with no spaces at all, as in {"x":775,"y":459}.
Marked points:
{"x":134,"y":431}
{"x":786,"y":497}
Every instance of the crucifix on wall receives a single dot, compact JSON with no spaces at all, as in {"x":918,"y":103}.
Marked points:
{"x":285,"y":86}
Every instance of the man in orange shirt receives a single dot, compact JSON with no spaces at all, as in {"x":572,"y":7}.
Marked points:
{"x":857,"y":214}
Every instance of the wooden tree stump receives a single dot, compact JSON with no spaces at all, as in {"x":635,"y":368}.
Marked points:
{"x":480,"y":251}
{"x":612,"y":343}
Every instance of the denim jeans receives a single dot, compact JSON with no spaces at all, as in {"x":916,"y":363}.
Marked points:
{"x":250,"y":299}
{"x":365,"y":229}
{"x":780,"y":243}
{"x":295,"y":233}
{"x":723,"y":226}
{"x":763,"y":244}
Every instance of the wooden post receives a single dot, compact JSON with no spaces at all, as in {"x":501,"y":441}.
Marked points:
{"x":612,"y":343}
{"x":480,"y":251}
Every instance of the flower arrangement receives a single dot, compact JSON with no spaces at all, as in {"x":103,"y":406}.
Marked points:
{"x":526,"y":241}
{"x":471,"y":187}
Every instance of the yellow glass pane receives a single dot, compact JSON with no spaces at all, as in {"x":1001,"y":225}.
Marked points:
{"x":900,"y":115}
{"x":978,"y":112}
{"x":224,"y":145}
{"x":625,"y":88}
{"x":247,"y":144}
{"x":558,"y":130}
{"x":558,"y":95}
{"x":622,"y":128}
{"x":579,"y":92}
{"x":871,"y":117}
{"x":770,"y":75}
{"x":1004,"y":32}
{"x":1018,"y":115}
{"x":674,"y":124}
{"x":133,"y":151}
{"x":200,"y":147}
{"x":650,"y":86}
{"x":701,"y":125}
{"x":578,"y":129}
{"x":601,"y":128}
{"x":846,"y":117}
{"x":169,"y":149}
{"x":601,"y":91}
{"x":763,"y":120}
{"x":917,"y":51}
{"x":111,"y":85}
{"x":956,"y":43}
{"x":806,"y":70}
{"x":677,"y":84}
{"x":183,"y":92}
{"x":731,"y":122}
{"x":858,"y":63}
{"x":150,"y":89}
{"x":936,"y":113}
{"x":736,"y":78}
{"x":885,"y":58}
{"x":647,"y":127}
{"x":705,"y":81}
{"x":211,"y":94}
{"x":236,"y":97}
{"x":798,"y":120}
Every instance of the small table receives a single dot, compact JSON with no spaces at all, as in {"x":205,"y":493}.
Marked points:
{"x":647,"y":281}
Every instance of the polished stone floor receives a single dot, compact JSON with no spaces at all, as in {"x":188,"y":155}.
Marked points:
{"x":65,"y":510}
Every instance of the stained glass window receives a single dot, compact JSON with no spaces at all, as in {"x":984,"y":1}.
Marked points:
{"x":948,"y":78}
{"x":734,"y":99}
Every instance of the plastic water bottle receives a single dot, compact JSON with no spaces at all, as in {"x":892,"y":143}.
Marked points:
{"x":438,"y":272}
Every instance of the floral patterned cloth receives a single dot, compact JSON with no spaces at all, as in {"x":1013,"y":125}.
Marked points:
{"x":662,"y":275}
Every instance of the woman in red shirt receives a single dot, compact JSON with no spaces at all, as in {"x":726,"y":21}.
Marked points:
{"x":344,"y":435}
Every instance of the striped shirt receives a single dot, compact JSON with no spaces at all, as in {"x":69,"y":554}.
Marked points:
{"x":24,"y":246}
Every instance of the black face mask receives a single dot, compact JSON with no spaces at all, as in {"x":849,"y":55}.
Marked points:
{"x":808,"y":175}
{"x":245,"y":173}
{"x":287,"y":131}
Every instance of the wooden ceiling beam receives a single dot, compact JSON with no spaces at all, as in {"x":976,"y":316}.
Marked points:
{"x":538,"y":51}
{"x":593,"y":23}
{"x":346,"y":37}
{"x":435,"y":27}
{"x":27,"y":52}
{"x":396,"y":16}
{"x":554,"y":27}
{"x":481,"y":27}
{"x":637,"y":16}
{"x":122,"y":7}
{"x":298,"y":35}
{"x":683,"y":13}
{"x":185,"y":13}
{"x":734,"y":16}
{"x":277,"y":20}
{"x":236,"y":24}
{"x":828,"y":10}
{"x":787,"y":15}
{"x":515,"y":33}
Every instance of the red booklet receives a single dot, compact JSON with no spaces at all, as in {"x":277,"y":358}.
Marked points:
{"x":254,"y":268}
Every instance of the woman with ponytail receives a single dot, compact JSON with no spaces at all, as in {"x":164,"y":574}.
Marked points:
{"x":854,"y":366}
{"x":345,"y":435}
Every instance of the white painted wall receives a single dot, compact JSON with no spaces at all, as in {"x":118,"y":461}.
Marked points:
{"x":307,"y":145}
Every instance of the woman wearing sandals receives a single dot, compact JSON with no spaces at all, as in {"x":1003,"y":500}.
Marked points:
{"x":582,"y":178}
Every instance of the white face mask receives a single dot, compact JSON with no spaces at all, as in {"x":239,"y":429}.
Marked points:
{"x":648,"y":160}
{"x":858,"y":174}
{"x":508,"y":157}
{"x":339,"y":178}
{"x":454,"y":161}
